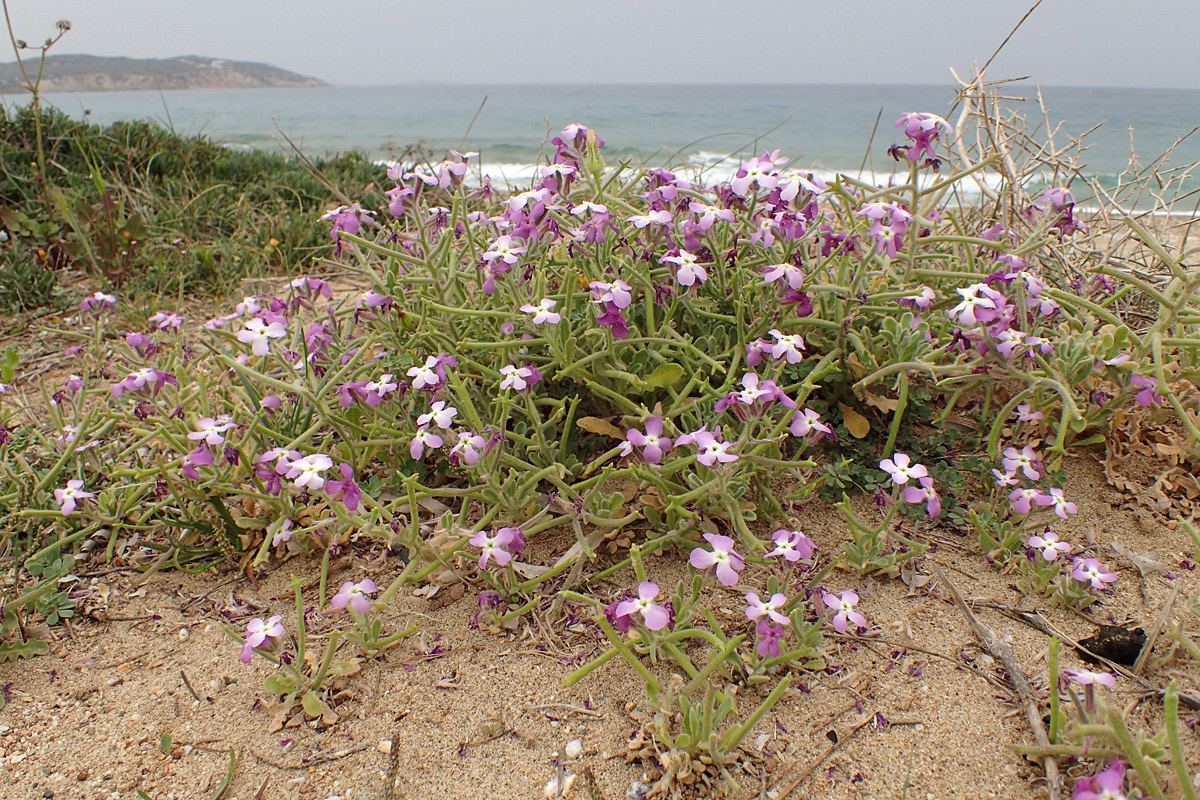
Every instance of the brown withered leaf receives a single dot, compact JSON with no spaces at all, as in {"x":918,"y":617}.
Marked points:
{"x":858,"y":425}
{"x":600,"y":426}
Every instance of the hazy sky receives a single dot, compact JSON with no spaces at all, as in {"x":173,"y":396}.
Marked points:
{"x":1064,"y":42}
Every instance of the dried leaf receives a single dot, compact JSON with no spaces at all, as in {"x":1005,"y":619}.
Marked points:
{"x":601,"y":426}
{"x":886,"y":404}
{"x":1146,"y":562}
{"x":856,"y":423}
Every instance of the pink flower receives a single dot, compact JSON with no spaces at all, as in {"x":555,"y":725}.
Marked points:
{"x":655,"y":616}
{"x":425,"y":375}
{"x":889,"y":224}
{"x":259,"y":334}
{"x":542,"y":313}
{"x":757,"y":608}
{"x":1049,"y":544}
{"x":711,"y":449}
{"x":787,"y":346}
{"x":654,"y":445}
{"x":468,"y":448}
{"x":305,"y":472}
{"x":209,"y":430}
{"x":792,"y":275}
{"x":844,"y":606}
{"x":728,"y":563}
{"x":67,"y":498}
{"x":257,"y":634}
{"x":1088,"y":678}
{"x":925,"y":494}
{"x":499,"y":546}
{"x":807,"y":421}
{"x":1023,"y":499}
{"x":1025,"y":414}
{"x":1090,"y":570}
{"x":355,"y":595}
{"x":421,"y":439}
{"x":1024,"y":460}
{"x":1004,"y":479}
{"x":519,"y":378}
{"x":689,"y":272}
{"x":792,"y":545}
{"x":1061,"y":506}
{"x":439,"y":415}
{"x":619,"y":293}
{"x":1106,"y":785}
{"x":504,"y":250}
{"x":975,"y":297}
{"x":901,"y":469}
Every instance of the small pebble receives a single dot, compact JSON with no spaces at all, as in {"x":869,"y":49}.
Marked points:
{"x":574,"y":748}
{"x":384,"y":746}
{"x":184,"y":633}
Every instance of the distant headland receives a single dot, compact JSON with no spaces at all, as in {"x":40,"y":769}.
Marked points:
{"x":70,"y":73}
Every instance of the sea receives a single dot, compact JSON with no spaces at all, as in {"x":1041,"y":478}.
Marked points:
{"x":828,"y":129}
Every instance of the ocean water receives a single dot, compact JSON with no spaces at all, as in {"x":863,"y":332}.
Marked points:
{"x":826,"y":128}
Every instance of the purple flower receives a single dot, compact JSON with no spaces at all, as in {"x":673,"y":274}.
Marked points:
{"x":1090,"y":570}
{"x":98,"y":302}
{"x":355,"y":595}
{"x":923,"y":129}
{"x":654,"y":445}
{"x":790,"y":274}
{"x":257,"y":634}
{"x":1106,"y":785}
{"x":689,"y":272}
{"x":166,"y":319}
{"x":900,"y":468}
{"x":792,"y":545}
{"x":67,"y":498}
{"x":924,"y":494}
{"x":200,"y":457}
{"x":728,"y":563}
{"x":345,"y":218}
{"x":768,"y":639}
{"x":1149,"y":391}
{"x":1049,"y":544}
{"x":978,"y":304}
{"x":439,"y":415}
{"x":655,"y":616}
{"x":889,"y":224}
{"x":349,"y":491}
{"x":844,"y":606}
{"x":757,"y":608}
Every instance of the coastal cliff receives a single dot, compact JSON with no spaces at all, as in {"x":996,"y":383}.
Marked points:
{"x":71,"y":73}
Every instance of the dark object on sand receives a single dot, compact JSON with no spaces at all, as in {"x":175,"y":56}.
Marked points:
{"x":1116,"y":643}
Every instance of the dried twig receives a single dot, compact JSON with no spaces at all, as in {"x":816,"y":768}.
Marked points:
{"x":1152,"y":634}
{"x":1004,"y":654}
{"x":838,"y":742}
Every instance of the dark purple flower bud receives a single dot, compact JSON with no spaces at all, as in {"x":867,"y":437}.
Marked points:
{"x":232,"y":456}
{"x":4,"y":436}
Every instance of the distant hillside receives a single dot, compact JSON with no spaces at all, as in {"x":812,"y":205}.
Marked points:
{"x":101,"y":73}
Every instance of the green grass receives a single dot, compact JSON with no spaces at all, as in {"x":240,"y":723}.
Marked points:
{"x":150,"y":211}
